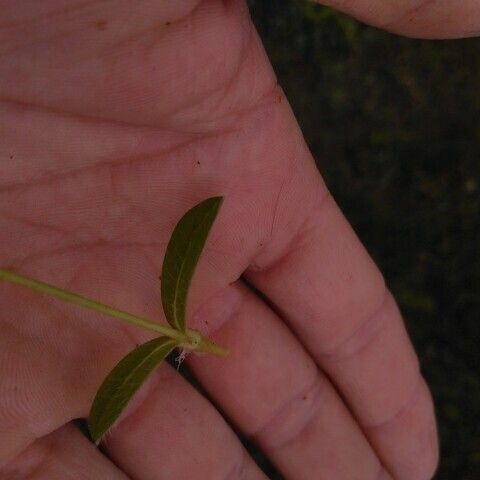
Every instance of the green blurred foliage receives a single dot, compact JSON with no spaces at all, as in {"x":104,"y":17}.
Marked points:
{"x":395,"y":128}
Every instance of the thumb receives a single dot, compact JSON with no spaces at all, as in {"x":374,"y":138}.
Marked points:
{"x":434,"y":19}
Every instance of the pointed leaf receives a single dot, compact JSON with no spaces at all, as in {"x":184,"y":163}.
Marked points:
{"x":122,"y":383}
{"x":181,"y":258}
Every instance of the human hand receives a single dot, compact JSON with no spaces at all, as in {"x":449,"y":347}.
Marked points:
{"x":114,"y":123}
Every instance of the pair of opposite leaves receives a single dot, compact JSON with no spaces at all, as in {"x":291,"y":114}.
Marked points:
{"x":181,"y":257}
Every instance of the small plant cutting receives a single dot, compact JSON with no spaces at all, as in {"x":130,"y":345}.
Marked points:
{"x":183,"y":252}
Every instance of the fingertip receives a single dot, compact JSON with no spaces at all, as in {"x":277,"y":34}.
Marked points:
{"x":414,"y":433}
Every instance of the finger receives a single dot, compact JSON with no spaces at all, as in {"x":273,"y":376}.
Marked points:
{"x":417,"y":18}
{"x":272,"y":390}
{"x":171,"y":431}
{"x":335,"y":299}
{"x":63,"y":455}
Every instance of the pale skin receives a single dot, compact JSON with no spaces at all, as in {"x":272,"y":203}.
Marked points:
{"x":115,"y":118}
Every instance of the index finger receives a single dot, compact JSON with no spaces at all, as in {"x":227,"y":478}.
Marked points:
{"x":331,"y":293}
{"x":416,"y":18}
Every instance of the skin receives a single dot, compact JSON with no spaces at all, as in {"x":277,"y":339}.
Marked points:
{"x":114,"y":121}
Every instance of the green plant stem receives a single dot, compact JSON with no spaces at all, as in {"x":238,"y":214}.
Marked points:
{"x":207,"y":346}
{"x":202,"y":344}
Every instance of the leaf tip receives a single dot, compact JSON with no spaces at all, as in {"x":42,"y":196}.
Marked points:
{"x":218,"y":200}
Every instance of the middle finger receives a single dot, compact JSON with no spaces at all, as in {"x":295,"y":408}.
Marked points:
{"x":273,"y":391}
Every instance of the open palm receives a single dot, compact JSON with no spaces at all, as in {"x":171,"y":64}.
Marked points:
{"x":115,"y":118}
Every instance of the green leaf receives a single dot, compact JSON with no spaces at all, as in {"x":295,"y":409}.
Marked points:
{"x":181,"y":258}
{"x":123,"y":382}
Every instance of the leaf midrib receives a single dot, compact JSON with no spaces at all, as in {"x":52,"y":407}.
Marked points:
{"x":183,"y":263}
{"x":132,"y":372}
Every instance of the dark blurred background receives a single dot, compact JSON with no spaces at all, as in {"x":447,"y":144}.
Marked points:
{"x":394,"y":125}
